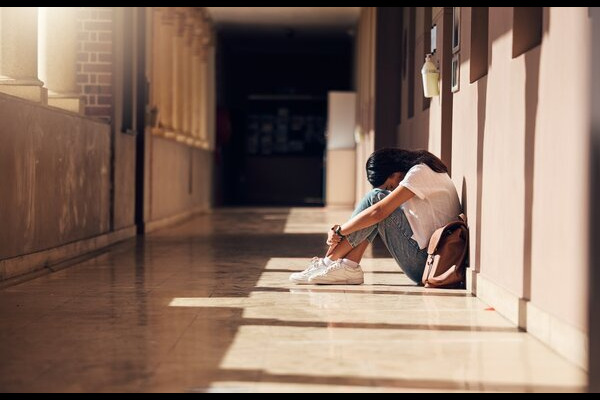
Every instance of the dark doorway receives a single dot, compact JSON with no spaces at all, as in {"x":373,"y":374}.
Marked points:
{"x":272,"y":93}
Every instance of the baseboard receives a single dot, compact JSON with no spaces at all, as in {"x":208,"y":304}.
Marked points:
{"x":27,"y":264}
{"x":152,"y":226}
{"x":505,"y":302}
{"x":471,"y":280}
{"x":561,"y":337}
{"x":31,"y":263}
{"x":566,"y":340}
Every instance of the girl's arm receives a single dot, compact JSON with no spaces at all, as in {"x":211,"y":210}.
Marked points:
{"x":378,"y":211}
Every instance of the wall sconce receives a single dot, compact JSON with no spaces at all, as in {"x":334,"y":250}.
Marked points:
{"x":431,"y":78}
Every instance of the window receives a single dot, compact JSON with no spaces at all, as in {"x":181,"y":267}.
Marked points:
{"x":455,"y":29}
{"x":454,"y":84}
{"x":527,"y":28}
{"x":479,"y":42}
{"x":455,"y":66}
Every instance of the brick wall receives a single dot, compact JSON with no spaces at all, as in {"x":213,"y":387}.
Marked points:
{"x":94,"y":60}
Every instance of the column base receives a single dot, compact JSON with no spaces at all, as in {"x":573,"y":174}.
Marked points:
{"x":69,"y":103}
{"x":202,"y":144}
{"x":38,"y":94}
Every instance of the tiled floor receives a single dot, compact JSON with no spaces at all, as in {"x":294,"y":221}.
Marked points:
{"x":207,"y":306}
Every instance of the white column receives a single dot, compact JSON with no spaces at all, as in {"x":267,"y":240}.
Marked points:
{"x":206,"y":86}
{"x":203,"y":94}
{"x":187,"y":74}
{"x":156,"y":56}
{"x":211,"y":106}
{"x":58,"y":56}
{"x":177,"y":60}
{"x":196,"y":87}
{"x":165,"y":110}
{"x":18,"y":53}
{"x":209,"y":86}
{"x":340,"y":188}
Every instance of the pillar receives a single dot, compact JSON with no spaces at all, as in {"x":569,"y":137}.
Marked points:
{"x":203,"y":82}
{"x":58,"y":56}
{"x":188,"y":73}
{"x":211,"y":110}
{"x":18,"y":53}
{"x":203,"y":91}
{"x":196,"y":87}
{"x":157,"y":33}
{"x":177,"y":78}
{"x":165,"y":66}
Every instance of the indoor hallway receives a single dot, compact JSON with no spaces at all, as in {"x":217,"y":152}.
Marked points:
{"x":206,"y":305}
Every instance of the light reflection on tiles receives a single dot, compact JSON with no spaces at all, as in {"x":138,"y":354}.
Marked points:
{"x":206,"y":306}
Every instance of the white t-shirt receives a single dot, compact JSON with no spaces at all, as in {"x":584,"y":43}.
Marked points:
{"x":434,"y":204}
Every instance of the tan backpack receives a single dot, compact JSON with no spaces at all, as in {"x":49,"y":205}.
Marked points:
{"x":448,"y":249}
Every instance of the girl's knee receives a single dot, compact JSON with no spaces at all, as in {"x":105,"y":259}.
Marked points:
{"x":369,"y":199}
{"x":376,"y":195}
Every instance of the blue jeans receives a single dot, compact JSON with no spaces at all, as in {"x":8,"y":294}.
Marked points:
{"x":396,"y":233}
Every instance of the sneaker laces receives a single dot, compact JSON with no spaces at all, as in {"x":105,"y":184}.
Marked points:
{"x":314,"y":263}
{"x":337,"y":264}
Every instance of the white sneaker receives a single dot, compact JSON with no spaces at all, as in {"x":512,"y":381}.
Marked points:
{"x":338,"y":273}
{"x":301,"y":278}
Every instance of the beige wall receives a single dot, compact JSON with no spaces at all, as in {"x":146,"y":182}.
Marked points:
{"x":594,"y":220}
{"x":124,"y":144}
{"x":179,"y":162}
{"x":440,"y":110}
{"x":341,"y":149}
{"x":413,"y":133}
{"x":340,"y":177}
{"x":524,"y":128}
{"x":68,"y":182}
{"x":430,"y":127}
{"x":54,"y":177}
{"x":180,"y":179}
{"x":365,"y":94}
{"x":519,"y":162}
{"x":468,"y":129}
{"x":560,"y":209}
{"x":503,"y":169}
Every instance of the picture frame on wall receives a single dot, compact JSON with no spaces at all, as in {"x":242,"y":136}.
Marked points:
{"x":455,"y":73}
{"x":433,"y":43}
{"x":455,"y":29}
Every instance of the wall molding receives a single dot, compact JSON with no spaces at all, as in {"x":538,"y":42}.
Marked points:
{"x":151,"y":226}
{"x":16,"y":269}
{"x":569,"y":342}
{"x":25,"y":267}
{"x":566,"y":340}
{"x":504,"y":301}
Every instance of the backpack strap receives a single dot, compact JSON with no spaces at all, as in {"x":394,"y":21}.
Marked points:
{"x":437,"y":235}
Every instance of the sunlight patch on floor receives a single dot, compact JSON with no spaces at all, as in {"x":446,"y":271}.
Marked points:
{"x":318,"y":220}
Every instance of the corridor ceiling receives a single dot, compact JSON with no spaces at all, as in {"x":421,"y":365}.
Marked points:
{"x":304,"y":19}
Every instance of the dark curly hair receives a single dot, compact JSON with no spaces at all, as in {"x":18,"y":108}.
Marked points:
{"x":384,"y":162}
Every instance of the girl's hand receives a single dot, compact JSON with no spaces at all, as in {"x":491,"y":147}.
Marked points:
{"x":332,"y":238}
